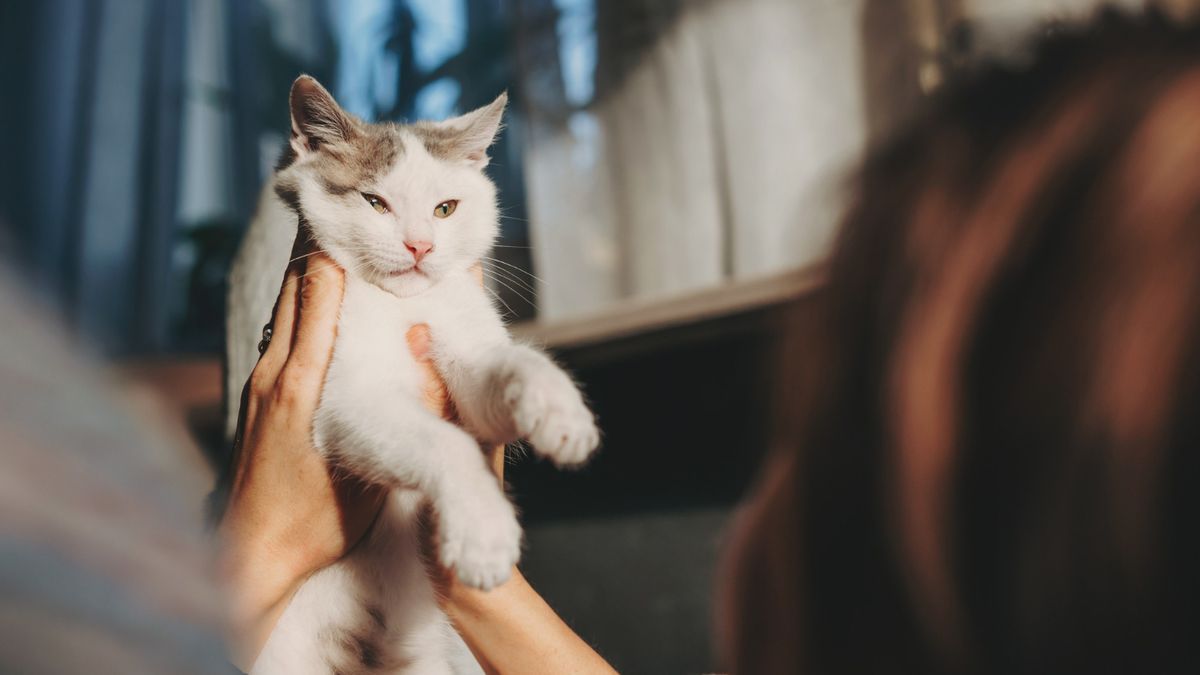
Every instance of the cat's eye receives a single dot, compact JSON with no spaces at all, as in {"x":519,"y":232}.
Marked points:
{"x":376,"y":202}
{"x":444,"y":209}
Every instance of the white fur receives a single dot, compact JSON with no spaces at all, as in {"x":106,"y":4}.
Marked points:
{"x":371,"y":420}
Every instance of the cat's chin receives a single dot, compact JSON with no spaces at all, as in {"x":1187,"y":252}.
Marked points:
{"x":406,"y":284}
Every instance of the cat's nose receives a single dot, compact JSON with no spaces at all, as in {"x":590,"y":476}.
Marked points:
{"x":418,"y":248}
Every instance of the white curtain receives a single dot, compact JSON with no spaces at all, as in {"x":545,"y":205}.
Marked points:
{"x":713,"y":160}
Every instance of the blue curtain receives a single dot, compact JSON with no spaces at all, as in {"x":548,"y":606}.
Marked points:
{"x":90,"y":108}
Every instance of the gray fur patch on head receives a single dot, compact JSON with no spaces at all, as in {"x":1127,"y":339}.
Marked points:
{"x":439,"y":141}
{"x":342,"y":151}
{"x":347,"y":166}
{"x":289,"y":192}
{"x":360,"y":160}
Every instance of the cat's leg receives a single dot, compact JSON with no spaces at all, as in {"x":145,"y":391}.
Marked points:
{"x":518,"y":392}
{"x":478,"y":534}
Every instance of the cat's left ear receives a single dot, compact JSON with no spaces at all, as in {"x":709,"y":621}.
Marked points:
{"x":317,"y":119}
{"x":471,"y":135}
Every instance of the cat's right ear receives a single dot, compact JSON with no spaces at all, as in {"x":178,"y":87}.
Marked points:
{"x":317,"y":119}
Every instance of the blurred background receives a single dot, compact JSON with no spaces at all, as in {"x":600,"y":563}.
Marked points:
{"x":670,"y":176}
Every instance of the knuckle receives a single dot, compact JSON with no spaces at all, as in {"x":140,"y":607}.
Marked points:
{"x":260,"y":382}
{"x":321,"y":274}
{"x":293,"y":386}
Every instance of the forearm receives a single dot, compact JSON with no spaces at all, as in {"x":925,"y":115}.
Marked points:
{"x":511,"y":629}
{"x":259,"y":580}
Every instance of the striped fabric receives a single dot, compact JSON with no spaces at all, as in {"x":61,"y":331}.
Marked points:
{"x":102,"y":553}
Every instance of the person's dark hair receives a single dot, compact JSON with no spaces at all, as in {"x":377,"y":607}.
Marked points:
{"x":990,"y":463}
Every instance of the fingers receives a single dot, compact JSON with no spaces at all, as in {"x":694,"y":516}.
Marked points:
{"x":436,"y":396}
{"x":283,"y":318}
{"x":495,"y":458}
{"x":297,"y":269}
{"x":320,"y":301}
{"x":282,"y":324}
{"x":418,"y":342}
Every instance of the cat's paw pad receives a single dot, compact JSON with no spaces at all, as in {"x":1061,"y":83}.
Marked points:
{"x":481,"y":544}
{"x":548,"y":411}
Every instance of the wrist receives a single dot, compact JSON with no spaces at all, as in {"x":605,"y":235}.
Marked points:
{"x":259,"y":578}
{"x":461,"y":603}
{"x":511,"y":629}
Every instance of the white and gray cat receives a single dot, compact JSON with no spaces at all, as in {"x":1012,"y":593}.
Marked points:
{"x":406,"y":210}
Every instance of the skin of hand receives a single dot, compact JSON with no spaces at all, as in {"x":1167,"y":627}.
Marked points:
{"x":288,"y":515}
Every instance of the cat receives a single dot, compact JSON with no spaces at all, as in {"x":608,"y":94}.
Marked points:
{"x":406,"y":211}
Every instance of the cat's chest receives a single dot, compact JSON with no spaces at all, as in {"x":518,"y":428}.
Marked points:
{"x":373,"y":324}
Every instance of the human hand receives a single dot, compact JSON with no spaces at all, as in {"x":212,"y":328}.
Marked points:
{"x":287,"y":515}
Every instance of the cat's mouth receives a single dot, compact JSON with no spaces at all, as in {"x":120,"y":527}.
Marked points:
{"x":400,"y":271}
{"x":397,"y":274}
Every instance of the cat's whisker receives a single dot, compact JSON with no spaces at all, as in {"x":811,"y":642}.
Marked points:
{"x":517,"y":268}
{"x":516,"y":292}
{"x":519,"y":450}
{"x":350,"y":249}
{"x":512,"y":277}
{"x":499,"y":300}
{"x":355,"y":269}
{"x":301,"y":257}
{"x":502,"y":282}
{"x":508,"y":275}
{"x":308,"y":272}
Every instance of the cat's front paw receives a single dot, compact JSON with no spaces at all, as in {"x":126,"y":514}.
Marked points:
{"x":480,"y":541}
{"x":548,"y":410}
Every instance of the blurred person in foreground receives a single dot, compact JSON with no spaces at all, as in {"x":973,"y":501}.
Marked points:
{"x":990,"y":461}
{"x":987,"y":465}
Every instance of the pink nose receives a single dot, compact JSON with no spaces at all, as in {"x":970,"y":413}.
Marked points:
{"x":419,"y":248}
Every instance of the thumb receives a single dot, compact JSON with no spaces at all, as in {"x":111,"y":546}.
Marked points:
{"x":437,"y":398}
{"x":418,"y":342}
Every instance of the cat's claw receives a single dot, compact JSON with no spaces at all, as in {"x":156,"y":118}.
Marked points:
{"x":481,"y":543}
{"x":548,"y":411}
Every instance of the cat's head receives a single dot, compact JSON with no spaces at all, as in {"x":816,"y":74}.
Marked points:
{"x":401,"y":206}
